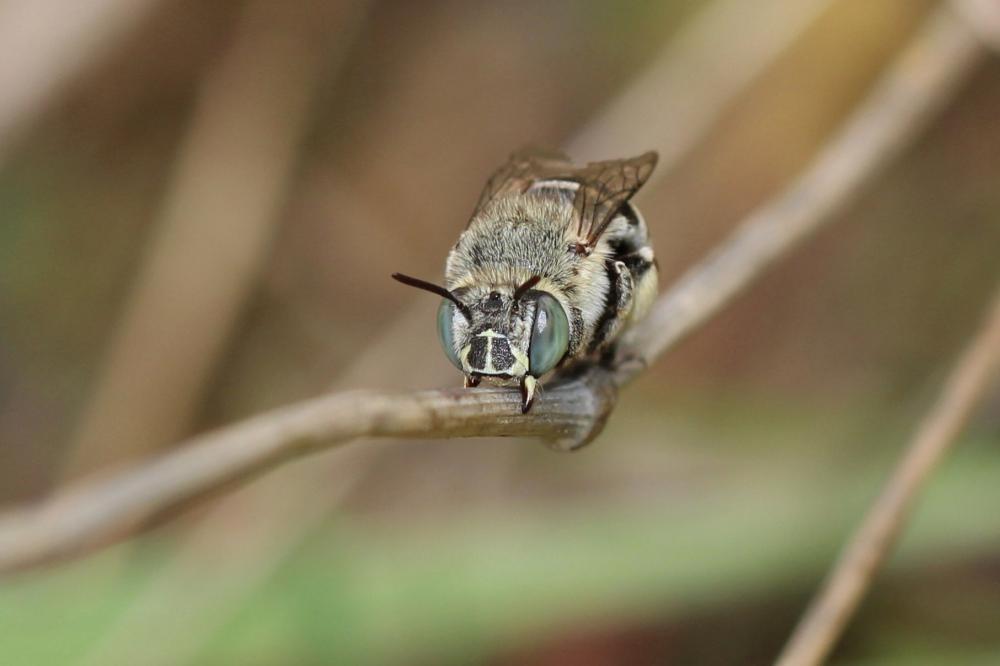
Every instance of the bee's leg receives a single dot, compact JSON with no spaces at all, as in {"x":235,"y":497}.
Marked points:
{"x":472,"y":381}
{"x":528,"y":386}
{"x":629,"y":361}
{"x":619,"y":305}
{"x":642,"y":265}
{"x":629,"y":240}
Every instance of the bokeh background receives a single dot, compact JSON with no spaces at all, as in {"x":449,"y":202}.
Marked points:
{"x":200,"y":205}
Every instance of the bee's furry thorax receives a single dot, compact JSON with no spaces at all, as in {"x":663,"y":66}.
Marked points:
{"x":516,"y":237}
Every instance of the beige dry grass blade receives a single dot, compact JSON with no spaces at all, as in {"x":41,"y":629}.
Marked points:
{"x":872,"y":543}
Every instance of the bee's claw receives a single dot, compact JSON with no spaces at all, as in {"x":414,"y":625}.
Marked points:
{"x":528,"y":385}
{"x":632,"y":360}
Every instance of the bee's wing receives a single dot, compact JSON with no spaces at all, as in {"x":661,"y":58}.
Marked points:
{"x":602,"y":186}
{"x":524,"y":168}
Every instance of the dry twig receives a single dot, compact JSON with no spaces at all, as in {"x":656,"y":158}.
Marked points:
{"x":871,"y":544}
{"x":567,"y":414}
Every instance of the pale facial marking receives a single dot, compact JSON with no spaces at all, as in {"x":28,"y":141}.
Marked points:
{"x":491,"y":353}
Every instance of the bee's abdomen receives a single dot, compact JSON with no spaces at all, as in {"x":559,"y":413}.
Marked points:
{"x":616,"y":304}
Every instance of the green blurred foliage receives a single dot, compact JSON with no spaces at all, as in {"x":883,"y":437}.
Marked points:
{"x":469,"y":585}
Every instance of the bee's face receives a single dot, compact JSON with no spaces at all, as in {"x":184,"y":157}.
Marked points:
{"x":506,"y":337}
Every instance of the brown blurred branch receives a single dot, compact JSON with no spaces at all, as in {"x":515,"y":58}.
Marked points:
{"x":567,"y":414}
{"x":214,"y":231}
{"x":45,"y":44}
{"x":982,"y":17}
{"x":681,"y":94}
{"x":871,"y":544}
{"x":921,"y":80}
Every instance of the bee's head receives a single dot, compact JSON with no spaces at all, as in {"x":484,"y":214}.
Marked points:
{"x":518,"y":333}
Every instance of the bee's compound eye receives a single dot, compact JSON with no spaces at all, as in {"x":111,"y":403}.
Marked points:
{"x":549,"y":335}
{"x":446,"y":332}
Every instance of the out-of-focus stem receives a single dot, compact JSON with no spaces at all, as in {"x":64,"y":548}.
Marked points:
{"x":45,"y":44}
{"x":680,"y":95}
{"x":871,"y":544}
{"x":218,"y":217}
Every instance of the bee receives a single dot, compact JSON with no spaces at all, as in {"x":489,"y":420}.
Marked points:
{"x":554,"y":264}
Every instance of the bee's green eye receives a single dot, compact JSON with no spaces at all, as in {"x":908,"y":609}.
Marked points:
{"x":549,"y":335}
{"x":446,"y":332}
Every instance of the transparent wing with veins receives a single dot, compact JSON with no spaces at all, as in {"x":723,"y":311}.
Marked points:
{"x":602,"y":186}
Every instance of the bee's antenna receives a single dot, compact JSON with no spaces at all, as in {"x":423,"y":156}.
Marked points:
{"x":434,"y":289}
{"x":528,"y":284}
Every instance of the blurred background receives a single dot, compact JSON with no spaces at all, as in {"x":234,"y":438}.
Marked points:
{"x":200,"y":206}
